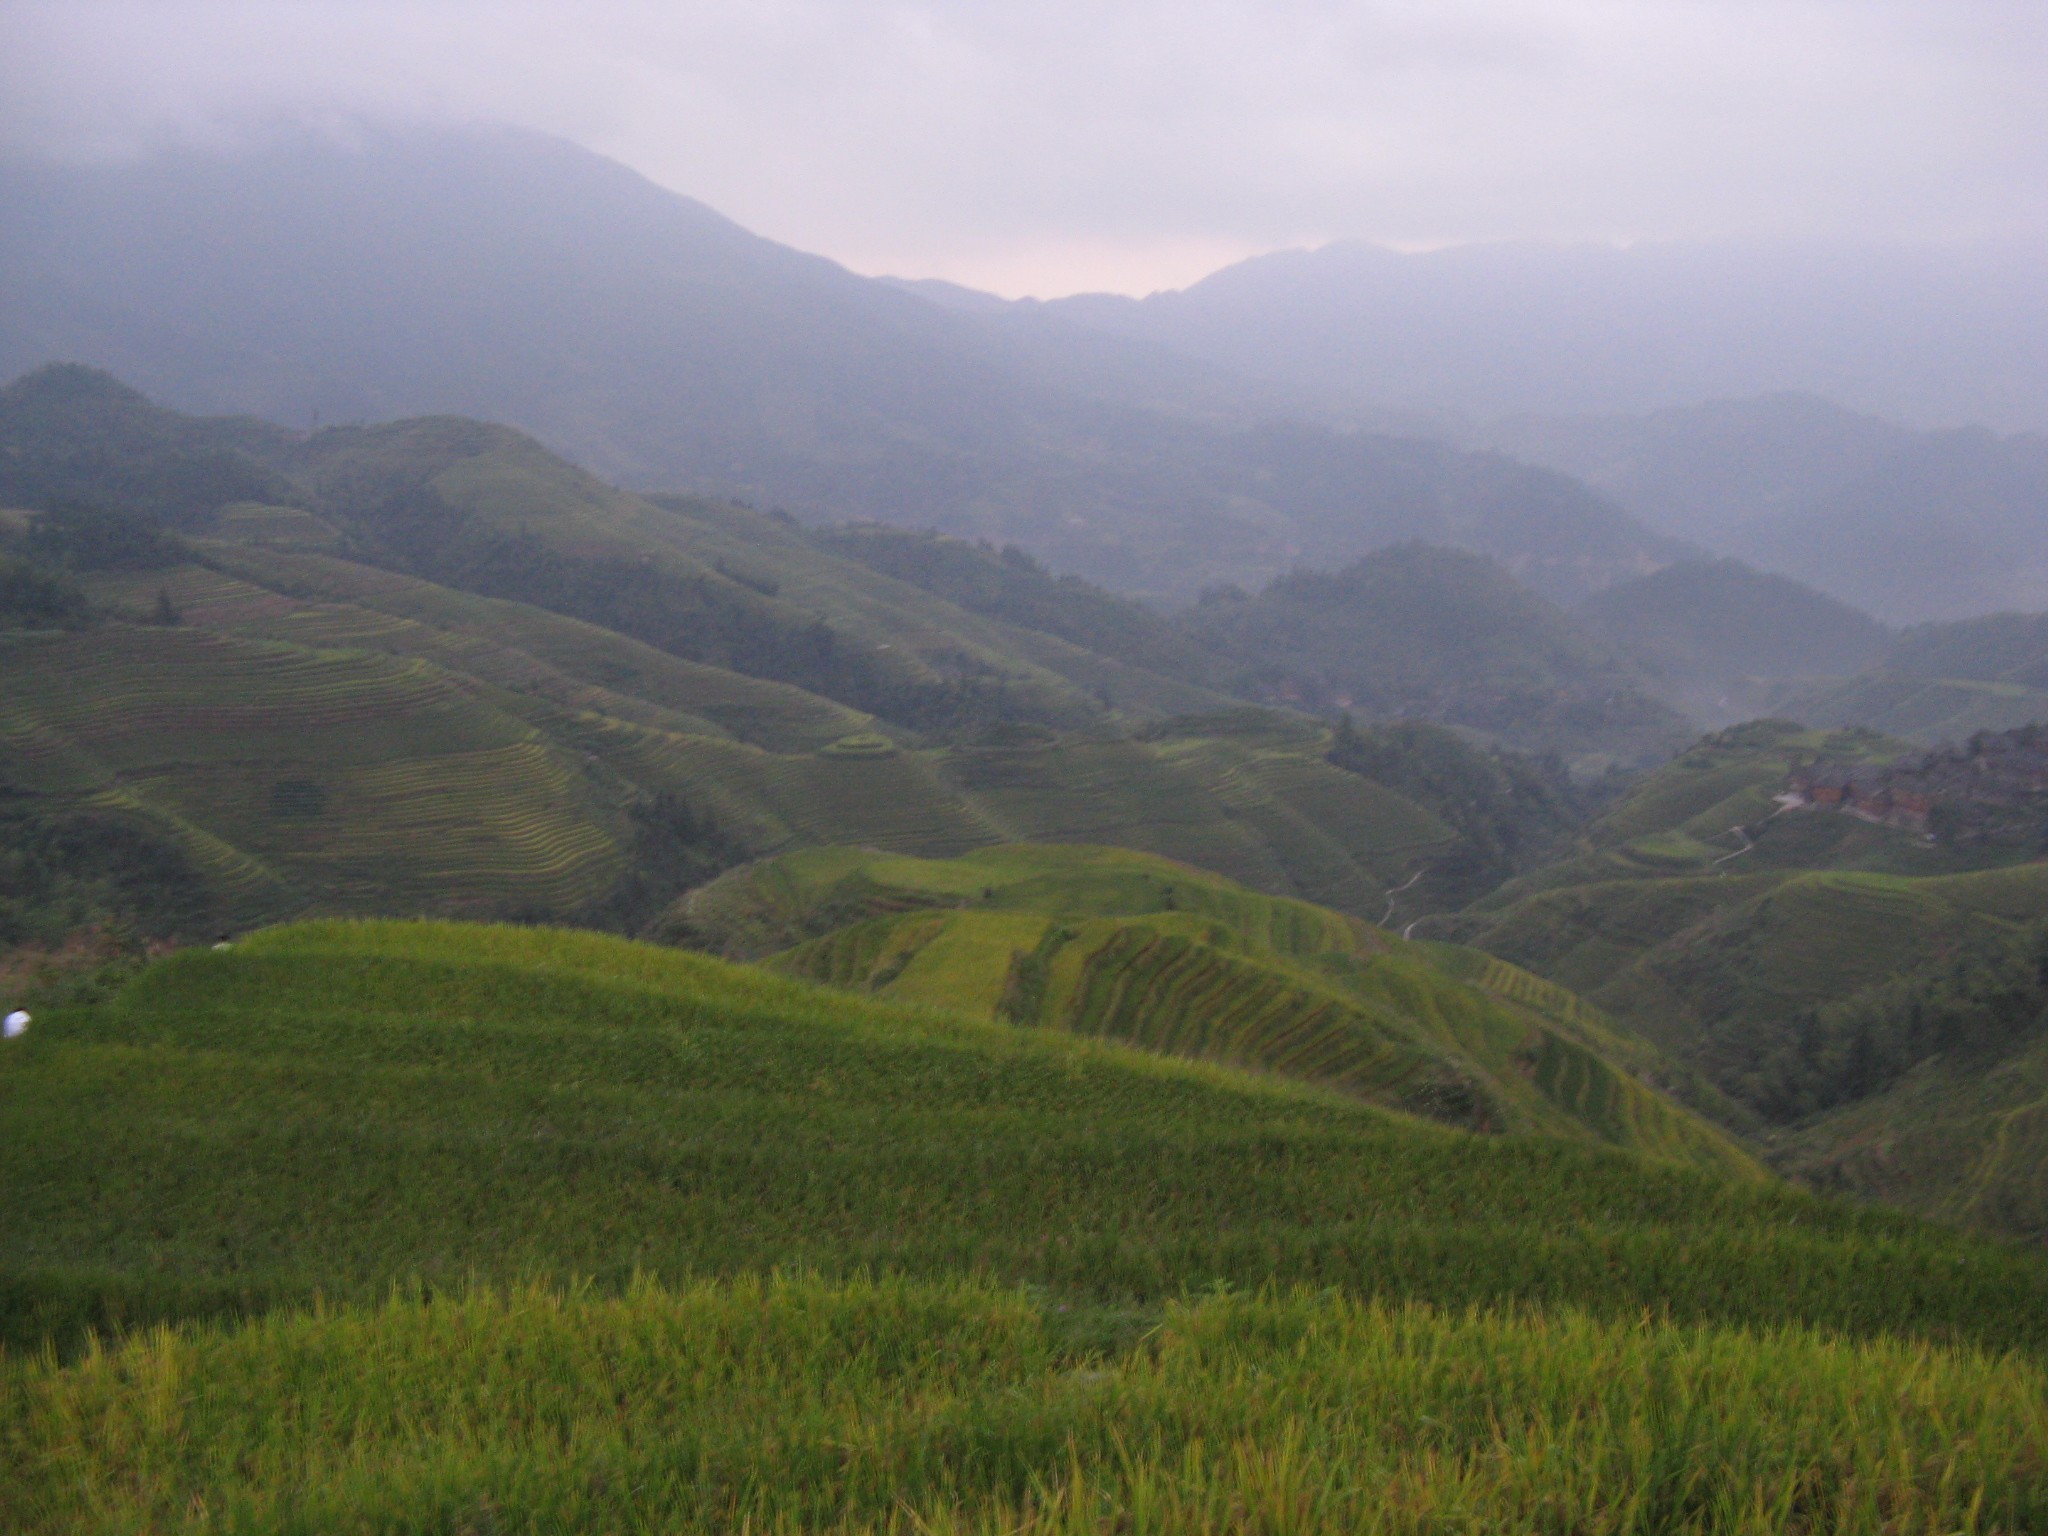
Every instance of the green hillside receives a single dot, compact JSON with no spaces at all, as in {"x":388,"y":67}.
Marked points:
{"x":307,"y":740}
{"x":1829,"y":974}
{"x":627,"y":694}
{"x":628,"y":1137}
{"x":1445,"y":635}
{"x":1104,"y":942}
{"x":1944,"y":682}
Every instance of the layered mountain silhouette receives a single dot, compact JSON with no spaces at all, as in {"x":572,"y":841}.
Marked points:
{"x":1939,"y":335}
{"x":1913,"y":525}
{"x":520,"y":279}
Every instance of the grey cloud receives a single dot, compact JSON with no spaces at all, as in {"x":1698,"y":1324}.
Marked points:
{"x":1046,"y":143}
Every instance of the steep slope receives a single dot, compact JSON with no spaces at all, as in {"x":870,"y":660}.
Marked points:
{"x":1105,"y":942}
{"x":520,"y":279}
{"x":1807,"y":962}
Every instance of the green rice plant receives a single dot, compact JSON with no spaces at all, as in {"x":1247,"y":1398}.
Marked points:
{"x":335,"y":1107}
{"x":886,"y":1406}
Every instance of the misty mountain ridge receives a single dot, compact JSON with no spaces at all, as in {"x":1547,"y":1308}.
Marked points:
{"x":521,"y":279}
{"x":1913,"y":525}
{"x":1941,"y":335}
{"x":1718,"y":637}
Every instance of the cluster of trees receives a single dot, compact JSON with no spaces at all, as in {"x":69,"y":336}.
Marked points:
{"x":1512,"y":810}
{"x":61,"y":871}
{"x":1985,"y":999}
{"x":40,"y":567}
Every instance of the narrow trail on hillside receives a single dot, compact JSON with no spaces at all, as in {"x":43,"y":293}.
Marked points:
{"x":1409,"y":931}
{"x":1747,"y":844}
{"x":1394,"y":893}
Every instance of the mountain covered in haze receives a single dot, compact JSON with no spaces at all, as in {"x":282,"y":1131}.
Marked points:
{"x":1915,"y":526}
{"x":1938,"y":335}
{"x":1715,"y":634}
{"x":520,"y":279}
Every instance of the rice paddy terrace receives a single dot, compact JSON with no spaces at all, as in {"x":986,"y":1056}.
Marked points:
{"x":575,"y":1157}
{"x":1127,"y":946}
{"x":326,"y":735}
{"x":297,"y":776}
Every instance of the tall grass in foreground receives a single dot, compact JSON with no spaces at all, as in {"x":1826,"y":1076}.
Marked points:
{"x":906,"y":1407}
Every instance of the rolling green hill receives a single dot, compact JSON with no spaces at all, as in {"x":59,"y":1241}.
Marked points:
{"x":621,"y":695}
{"x":309,"y":741}
{"x":1769,"y":950}
{"x":1439,"y":634}
{"x":1106,"y":942}
{"x":627,"y":1136}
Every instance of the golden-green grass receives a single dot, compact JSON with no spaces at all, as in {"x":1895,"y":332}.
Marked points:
{"x":885,"y":1406}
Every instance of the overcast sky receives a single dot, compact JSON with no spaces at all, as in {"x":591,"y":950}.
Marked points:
{"x":1048,"y":146}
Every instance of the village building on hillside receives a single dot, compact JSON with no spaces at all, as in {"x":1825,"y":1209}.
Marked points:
{"x":1993,"y":787}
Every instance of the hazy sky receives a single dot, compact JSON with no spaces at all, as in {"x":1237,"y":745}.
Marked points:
{"x":1046,"y":146}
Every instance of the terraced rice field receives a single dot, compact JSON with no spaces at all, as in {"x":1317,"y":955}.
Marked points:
{"x":336,"y":777}
{"x":1111,"y":943}
{"x":614,"y":672}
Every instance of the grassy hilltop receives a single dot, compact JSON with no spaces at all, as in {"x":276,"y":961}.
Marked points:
{"x":338,"y":1108}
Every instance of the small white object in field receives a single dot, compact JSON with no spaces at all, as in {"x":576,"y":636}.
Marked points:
{"x":16,"y":1025}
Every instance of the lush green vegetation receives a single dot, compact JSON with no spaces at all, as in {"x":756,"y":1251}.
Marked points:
{"x":1512,"y":812}
{"x":537,"y":1176}
{"x":298,"y":619}
{"x":549,"y":744}
{"x":948,"y":1408}
{"x":338,"y":1107}
{"x":1865,"y":998}
{"x":1009,"y":584}
{"x":1105,"y":942}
